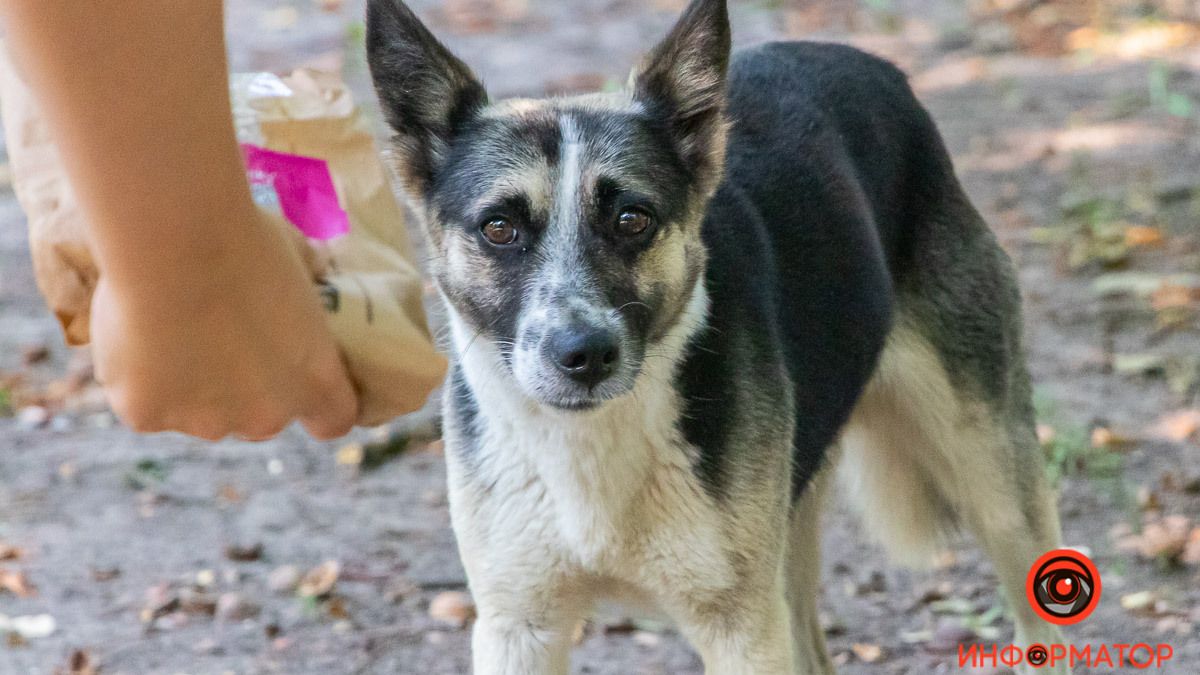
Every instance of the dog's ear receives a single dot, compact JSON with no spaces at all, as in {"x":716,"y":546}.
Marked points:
{"x":683,"y":81}
{"x":426,"y":93}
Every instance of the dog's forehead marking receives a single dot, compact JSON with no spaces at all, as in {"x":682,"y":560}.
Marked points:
{"x":569,"y":176}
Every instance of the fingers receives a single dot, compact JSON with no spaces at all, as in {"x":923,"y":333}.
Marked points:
{"x":332,"y":406}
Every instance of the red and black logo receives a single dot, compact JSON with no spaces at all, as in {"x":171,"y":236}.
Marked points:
{"x":1063,"y":586}
{"x":1036,"y":655}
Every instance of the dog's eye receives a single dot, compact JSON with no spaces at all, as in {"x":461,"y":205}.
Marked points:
{"x":499,"y":231}
{"x":633,"y":222}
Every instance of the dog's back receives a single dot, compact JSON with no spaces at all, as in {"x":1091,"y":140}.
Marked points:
{"x":840,"y":208}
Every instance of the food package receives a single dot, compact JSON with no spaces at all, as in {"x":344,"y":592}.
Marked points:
{"x":310,"y":156}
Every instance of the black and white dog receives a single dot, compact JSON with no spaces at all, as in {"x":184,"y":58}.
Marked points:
{"x":677,"y":311}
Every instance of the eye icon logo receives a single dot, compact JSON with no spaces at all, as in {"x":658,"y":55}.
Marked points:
{"x":1063,"y":587}
{"x":1036,"y":655}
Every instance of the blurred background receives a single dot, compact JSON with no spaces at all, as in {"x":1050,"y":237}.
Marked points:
{"x":1075,"y":126}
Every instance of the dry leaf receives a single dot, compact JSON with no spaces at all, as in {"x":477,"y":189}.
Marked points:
{"x":319,"y":581}
{"x":1161,"y":539}
{"x":1174,"y":296}
{"x":1143,"y":602}
{"x":1191,"y":552}
{"x":79,"y":662}
{"x":1143,"y":235}
{"x":453,"y":607}
{"x":10,"y":552}
{"x":1177,"y":426}
{"x":16,"y":583}
{"x":244,"y":552}
{"x":867,"y":653}
{"x":1105,"y":438}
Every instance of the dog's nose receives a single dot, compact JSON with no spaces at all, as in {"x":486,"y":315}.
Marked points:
{"x":587,"y":355}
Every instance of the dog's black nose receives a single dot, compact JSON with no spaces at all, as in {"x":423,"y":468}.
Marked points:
{"x":587,"y":355}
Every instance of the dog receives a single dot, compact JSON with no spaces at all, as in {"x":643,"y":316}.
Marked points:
{"x":681,"y":312}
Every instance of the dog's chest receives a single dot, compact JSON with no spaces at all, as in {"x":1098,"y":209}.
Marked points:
{"x":612,"y":496}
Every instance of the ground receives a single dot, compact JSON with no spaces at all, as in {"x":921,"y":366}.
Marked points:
{"x":1079,"y":144}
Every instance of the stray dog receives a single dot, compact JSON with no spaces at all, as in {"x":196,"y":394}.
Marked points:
{"x":678,"y":311}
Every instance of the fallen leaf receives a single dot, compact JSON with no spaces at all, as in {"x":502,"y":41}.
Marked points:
{"x":244,"y":552}
{"x":1143,"y":235}
{"x":1174,"y":296}
{"x":337,"y":609}
{"x":34,"y":354}
{"x":1107,"y":439}
{"x":1161,"y":539}
{"x":453,"y":607}
{"x":79,"y":662}
{"x":1177,"y":426}
{"x":9,"y":552}
{"x":319,"y":581}
{"x":105,"y":573}
{"x":1142,"y":602}
{"x":16,"y":583}
{"x":867,"y":653}
{"x":1191,"y":552}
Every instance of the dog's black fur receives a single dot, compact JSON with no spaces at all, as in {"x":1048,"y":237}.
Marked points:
{"x":835,"y":182}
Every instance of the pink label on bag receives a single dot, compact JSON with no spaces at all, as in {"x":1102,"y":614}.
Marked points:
{"x":300,"y":187}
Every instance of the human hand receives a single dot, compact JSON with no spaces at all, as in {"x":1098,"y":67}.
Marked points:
{"x":228,"y":343}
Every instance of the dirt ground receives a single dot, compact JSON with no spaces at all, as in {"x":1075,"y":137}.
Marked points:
{"x":1080,"y":146}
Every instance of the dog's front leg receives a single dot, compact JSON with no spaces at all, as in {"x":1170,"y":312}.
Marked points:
{"x":510,"y":641}
{"x":740,"y":641}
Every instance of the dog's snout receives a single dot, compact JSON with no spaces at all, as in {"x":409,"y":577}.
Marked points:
{"x":586,"y":354}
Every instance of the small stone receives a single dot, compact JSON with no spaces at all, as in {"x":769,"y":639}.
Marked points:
{"x":646,"y":639}
{"x":284,"y":579}
{"x":453,"y":607}
{"x":33,"y":627}
{"x":32,"y":417}
{"x":235,"y":607}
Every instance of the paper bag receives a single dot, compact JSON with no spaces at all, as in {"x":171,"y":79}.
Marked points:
{"x":371,"y":289}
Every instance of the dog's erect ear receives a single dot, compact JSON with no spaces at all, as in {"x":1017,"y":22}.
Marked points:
{"x":426,"y":93}
{"x":683,"y":80}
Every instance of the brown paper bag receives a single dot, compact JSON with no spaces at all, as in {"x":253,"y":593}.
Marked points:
{"x":371,"y":288}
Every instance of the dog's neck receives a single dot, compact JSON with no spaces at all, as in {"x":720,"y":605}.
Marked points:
{"x":593,"y":464}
